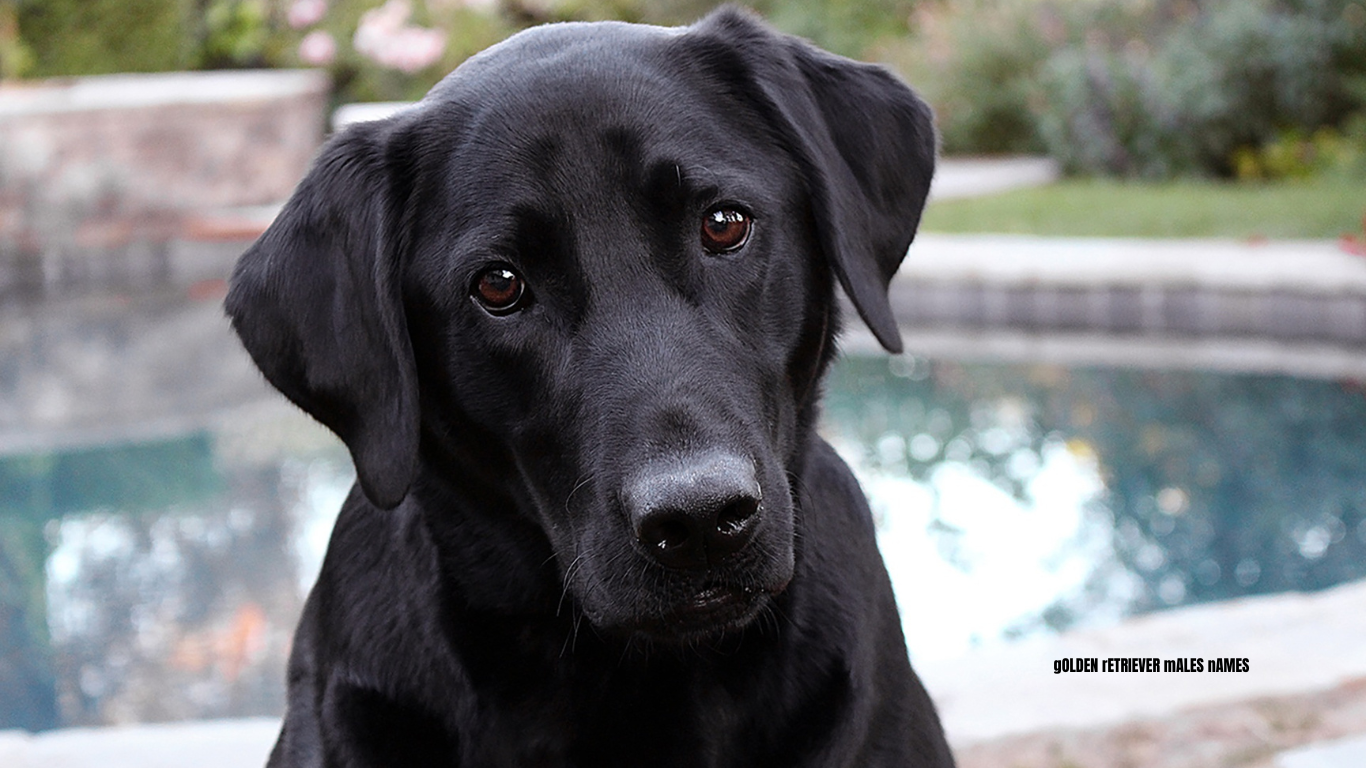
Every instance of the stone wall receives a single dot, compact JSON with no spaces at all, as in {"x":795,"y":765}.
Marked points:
{"x":103,"y":179}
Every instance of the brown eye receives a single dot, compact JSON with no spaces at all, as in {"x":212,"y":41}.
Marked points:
{"x":499,"y":290}
{"x":724,"y":230}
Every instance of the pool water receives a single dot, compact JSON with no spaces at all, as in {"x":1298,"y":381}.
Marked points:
{"x":161,"y":579}
{"x":1044,"y":497}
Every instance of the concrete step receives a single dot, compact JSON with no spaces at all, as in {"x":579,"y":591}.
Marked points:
{"x":958,"y":177}
{"x":1342,"y":753}
{"x":1279,"y":306}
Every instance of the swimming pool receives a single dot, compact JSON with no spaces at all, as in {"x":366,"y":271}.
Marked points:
{"x":158,"y":579}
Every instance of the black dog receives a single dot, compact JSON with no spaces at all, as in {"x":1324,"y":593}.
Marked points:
{"x":570,"y":314}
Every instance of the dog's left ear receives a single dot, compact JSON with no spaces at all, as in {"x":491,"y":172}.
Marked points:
{"x":864,"y":140}
{"x":317,"y":303}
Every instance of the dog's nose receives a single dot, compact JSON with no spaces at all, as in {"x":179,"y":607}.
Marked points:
{"x":696,"y":512}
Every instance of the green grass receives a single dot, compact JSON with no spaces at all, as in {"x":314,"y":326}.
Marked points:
{"x":1320,"y":208}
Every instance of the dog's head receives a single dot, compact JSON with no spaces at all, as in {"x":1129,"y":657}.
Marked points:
{"x":589,"y":280}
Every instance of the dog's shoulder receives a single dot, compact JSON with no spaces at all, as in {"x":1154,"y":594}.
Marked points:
{"x":832,"y":492}
{"x":841,"y":584}
{"x":378,"y":581}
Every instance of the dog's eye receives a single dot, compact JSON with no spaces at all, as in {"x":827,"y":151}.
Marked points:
{"x":499,"y":290}
{"x":724,"y":230}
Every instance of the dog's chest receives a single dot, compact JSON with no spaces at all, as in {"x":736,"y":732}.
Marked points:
{"x":604,"y":705}
{"x":627,"y":725}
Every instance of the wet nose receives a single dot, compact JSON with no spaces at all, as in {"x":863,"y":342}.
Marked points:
{"x":693,"y":513}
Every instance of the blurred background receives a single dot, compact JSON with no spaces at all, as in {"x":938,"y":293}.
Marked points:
{"x":1135,"y":384}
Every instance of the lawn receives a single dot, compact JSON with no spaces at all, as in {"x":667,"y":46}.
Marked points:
{"x":1081,"y":207}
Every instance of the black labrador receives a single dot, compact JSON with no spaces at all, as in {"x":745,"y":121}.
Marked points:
{"x":570,"y":314}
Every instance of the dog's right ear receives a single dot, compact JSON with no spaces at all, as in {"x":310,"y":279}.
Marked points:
{"x":316,"y":301}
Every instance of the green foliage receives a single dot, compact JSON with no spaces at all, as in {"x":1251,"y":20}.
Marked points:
{"x":1136,"y":88}
{"x":848,"y":27}
{"x":15,"y":55}
{"x":976,"y":61}
{"x":91,"y":37}
{"x":1293,"y":155}
{"x":1171,"y":88}
{"x":235,"y":34}
{"x":1102,"y":113}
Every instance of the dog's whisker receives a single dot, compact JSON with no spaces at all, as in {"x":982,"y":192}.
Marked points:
{"x":568,"y":637}
{"x":587,"y":478}
{"x":568,"y":578}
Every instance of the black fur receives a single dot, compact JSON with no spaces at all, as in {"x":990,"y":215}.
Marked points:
{"x":494,"y":593}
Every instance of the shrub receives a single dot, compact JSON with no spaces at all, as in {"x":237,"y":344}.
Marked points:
{"x":1146,"y":88}
{"x":1102,"y":112}
{"x":65,"y":37}
{"x":1205,"y":83}
{"x":1292,"y":155}
{"x":976,"y":62}
{"x":848,"y":27}
{"x":234,"y":33}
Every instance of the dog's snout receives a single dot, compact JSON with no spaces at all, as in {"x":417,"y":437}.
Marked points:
{"x":693,"y":514}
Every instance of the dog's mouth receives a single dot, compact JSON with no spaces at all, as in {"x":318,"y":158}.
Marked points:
{"x":717,"y":598}
{"x":717,"y":606}
{"x":712,"y":610}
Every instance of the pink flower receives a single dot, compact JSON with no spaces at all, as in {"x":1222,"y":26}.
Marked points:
{"x":384,"y":36}
{"x":317,"y":48}
{"x":482,"y":6}
{"x":378,"y":23}
{"x":306,"y":13}
{"x":415,"y":49}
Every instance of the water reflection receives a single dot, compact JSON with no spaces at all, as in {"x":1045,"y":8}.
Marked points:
{"x":169,"y":574}
{"x":162,"y":580}
{"x":1131,"y":490}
